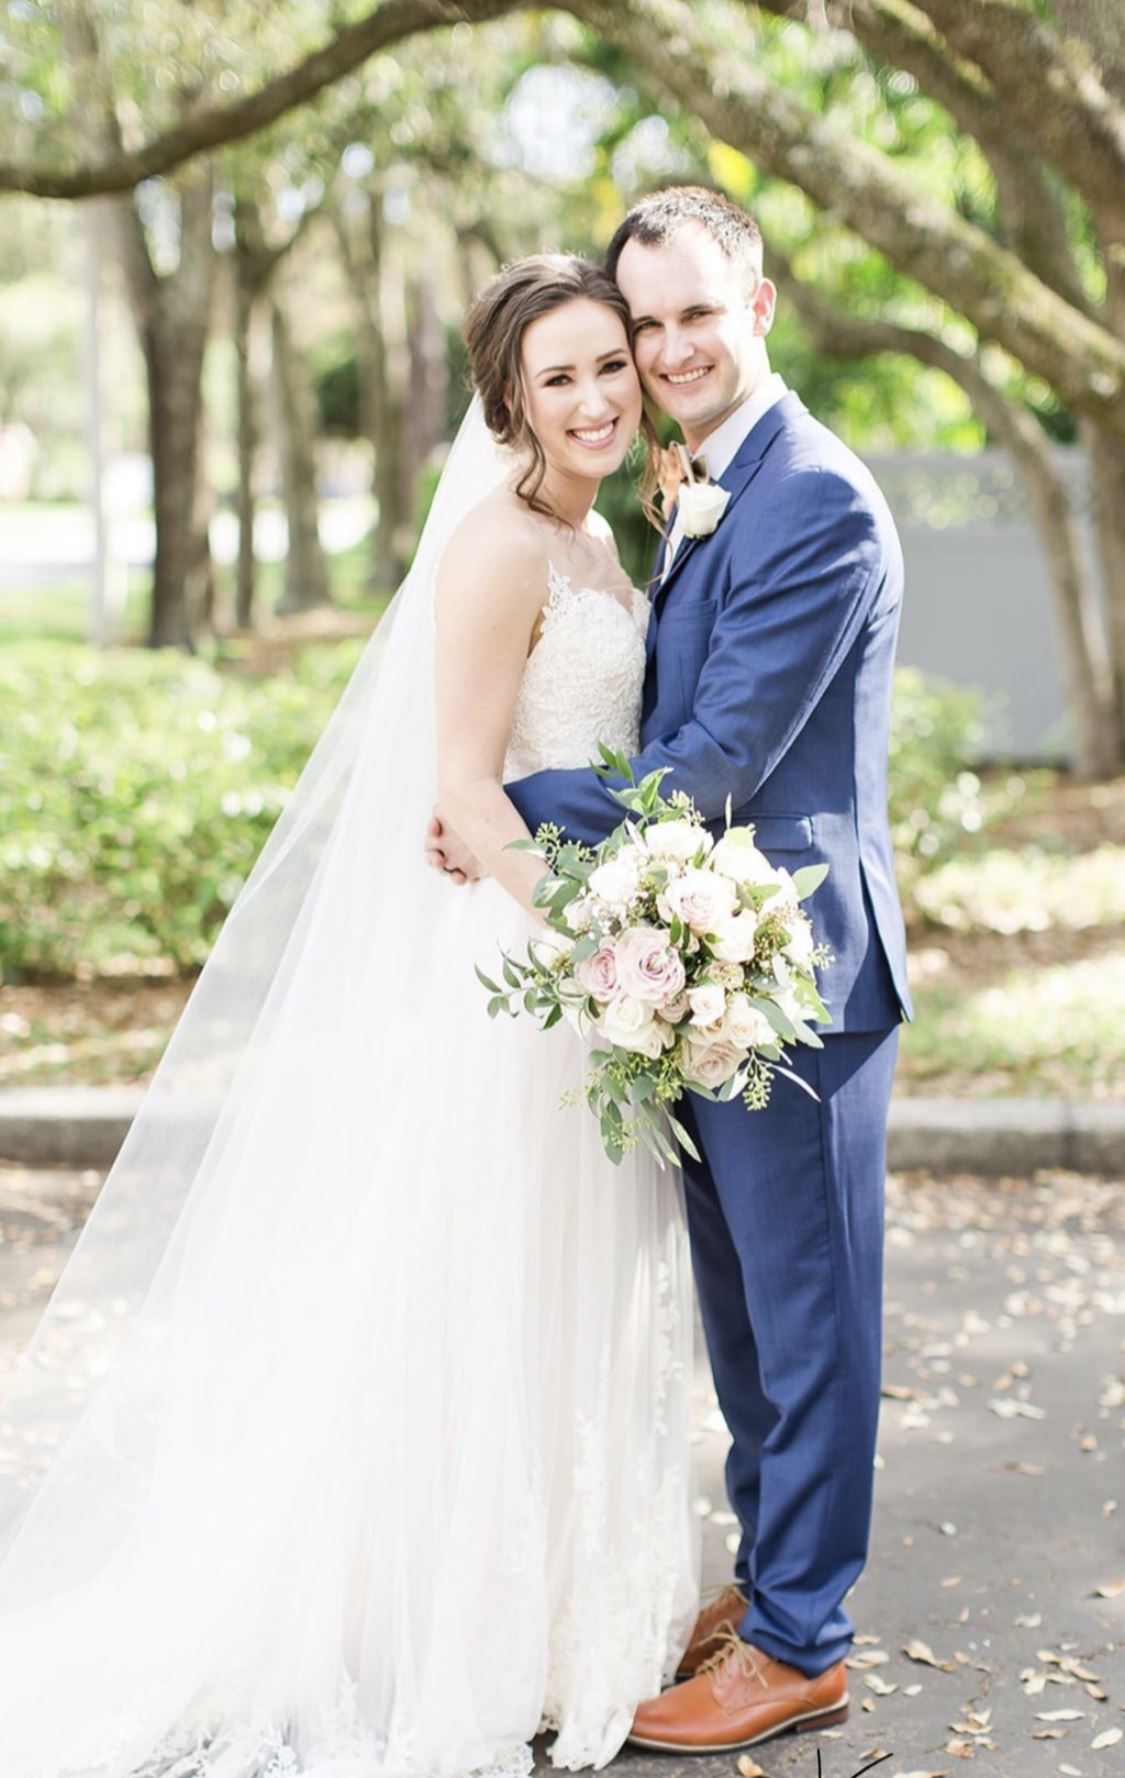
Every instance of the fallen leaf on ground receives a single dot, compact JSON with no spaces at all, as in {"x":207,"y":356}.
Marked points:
{"x":921,"y":1651}
{"x":1060,"y":1715}
{"x":749,"y":1768}
{"x":870,"y":1657}
{"x":1030,"y":1621}
{"x":877,"y":1684}
{"x":1110,"y":1589}
{"x":1107,"y":1738}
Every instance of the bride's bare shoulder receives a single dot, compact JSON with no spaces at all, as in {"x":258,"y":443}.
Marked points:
{"x":497,"y":541}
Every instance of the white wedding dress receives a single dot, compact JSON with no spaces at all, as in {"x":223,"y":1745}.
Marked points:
{"x":389,"y":1469}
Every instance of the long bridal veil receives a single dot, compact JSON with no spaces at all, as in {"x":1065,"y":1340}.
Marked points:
{"x":244,"y":1049}
{"x":354,"y":1438}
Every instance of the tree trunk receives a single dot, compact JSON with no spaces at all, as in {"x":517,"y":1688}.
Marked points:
{"x":381,"y":403}
{"x":246,"y":571}
{"x":429,"y":380}
{"x":1107,"y":462}
{"x":306,"y":573}
{"x":174,"y":366}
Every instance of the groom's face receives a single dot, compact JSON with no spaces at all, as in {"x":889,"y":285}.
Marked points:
{"x":700,"y":321}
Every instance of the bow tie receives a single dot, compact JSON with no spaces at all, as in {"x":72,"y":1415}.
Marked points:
{"x":677,"y":468}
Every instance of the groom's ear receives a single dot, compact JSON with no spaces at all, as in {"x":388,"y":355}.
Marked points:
{"x":762,"y":305}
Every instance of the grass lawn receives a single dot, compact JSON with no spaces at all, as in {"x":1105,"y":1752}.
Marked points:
{"x":1017,"y":956}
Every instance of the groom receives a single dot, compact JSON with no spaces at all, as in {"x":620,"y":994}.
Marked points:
{"x":769,"y":684}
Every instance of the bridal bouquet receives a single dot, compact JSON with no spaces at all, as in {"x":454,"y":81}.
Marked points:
{"x":688,"y":961}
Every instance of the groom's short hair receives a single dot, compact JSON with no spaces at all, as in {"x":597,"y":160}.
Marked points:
{"x":654,"y":219}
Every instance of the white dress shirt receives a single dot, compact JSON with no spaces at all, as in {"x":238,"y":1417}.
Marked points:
{"x":720,"y":448}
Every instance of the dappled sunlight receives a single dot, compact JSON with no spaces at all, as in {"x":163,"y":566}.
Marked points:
{"x":1058,"y":1030}
{"x":1029,"y":890}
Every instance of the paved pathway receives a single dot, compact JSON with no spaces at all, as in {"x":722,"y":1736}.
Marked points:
{"x":999,"y":1545}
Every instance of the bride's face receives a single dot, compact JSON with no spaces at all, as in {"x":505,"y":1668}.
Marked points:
{"x":582,"y":395}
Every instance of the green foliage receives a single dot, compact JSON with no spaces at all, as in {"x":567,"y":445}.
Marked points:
{"x":335,"y":368}
{"x":935,"y":799}
{"x":136,"y":790}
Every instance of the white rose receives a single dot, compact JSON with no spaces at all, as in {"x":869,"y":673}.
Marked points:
{"x":700,"y":506}
{"x":578,"y":913}
{"x":551,"y":949}
{"x":680,"y":840}
{"x":709,"y":1064}
{"x":785,"y":902}
{"x":738,"y":858}
{"x":801,"y":944}
{"x":735,"y":937}
{"x":698,"y":898}
{"x":708,"y":1003}
{"x":745,"y":1026}
{"x":615,"y":882}
{"x":631,"y":1026}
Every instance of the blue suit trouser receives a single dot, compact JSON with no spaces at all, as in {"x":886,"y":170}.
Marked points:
{"x":786,"y":1221}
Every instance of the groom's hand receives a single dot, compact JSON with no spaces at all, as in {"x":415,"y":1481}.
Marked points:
{"x":445,"y":851}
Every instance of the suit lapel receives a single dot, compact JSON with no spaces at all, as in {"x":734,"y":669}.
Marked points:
{"x":738,"y":475}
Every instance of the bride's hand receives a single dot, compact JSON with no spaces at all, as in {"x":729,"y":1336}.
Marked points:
{"x":445,"y":851}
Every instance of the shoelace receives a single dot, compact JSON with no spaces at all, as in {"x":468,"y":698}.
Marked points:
{"x":735,"y":1651}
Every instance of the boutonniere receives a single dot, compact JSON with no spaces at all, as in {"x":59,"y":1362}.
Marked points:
{"x":701,"y":501}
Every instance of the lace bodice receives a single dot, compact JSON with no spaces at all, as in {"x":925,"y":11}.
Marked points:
{"x":583,"y":679}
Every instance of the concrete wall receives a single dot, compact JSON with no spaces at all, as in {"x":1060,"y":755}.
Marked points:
{"x":978,"y":604}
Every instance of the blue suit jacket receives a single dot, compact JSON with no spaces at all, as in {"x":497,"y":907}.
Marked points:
{"x":771,"y":651}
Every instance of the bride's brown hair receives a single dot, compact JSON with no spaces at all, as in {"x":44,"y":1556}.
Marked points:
{"x":494,"y":330}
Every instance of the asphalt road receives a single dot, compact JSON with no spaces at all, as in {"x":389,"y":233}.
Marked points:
{"x":991,"y":1616}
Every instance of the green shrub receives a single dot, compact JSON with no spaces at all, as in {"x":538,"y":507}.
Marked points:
{"x":935,"y":797}
{"x":137,"y":788}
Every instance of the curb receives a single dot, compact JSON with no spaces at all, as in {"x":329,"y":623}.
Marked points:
{"x":86,"y":1126}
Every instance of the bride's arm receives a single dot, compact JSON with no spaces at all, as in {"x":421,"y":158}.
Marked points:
{"x":489,"y":593}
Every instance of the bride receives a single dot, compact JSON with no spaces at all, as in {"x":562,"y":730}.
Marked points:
{"x":354,"y":1439}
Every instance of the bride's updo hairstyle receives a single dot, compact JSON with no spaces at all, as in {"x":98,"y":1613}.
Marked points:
{"x":494,"y":332}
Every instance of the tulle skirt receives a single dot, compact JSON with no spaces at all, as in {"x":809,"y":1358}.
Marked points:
{"x":392,"y":1469}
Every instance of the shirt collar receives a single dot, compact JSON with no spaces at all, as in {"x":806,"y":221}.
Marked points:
{"x":720,"y":447}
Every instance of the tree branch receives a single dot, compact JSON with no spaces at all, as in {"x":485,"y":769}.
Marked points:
{"x":1032,"y":220}
{"x":738,"y":103}
{"x":214,"y":125}
{"x":1057,"y":97}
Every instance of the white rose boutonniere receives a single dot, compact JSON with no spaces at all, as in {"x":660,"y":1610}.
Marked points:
{"x":702,"y":502}
{"x":702,"y":505}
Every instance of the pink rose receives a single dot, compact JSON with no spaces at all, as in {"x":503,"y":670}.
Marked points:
{"x":648,"y":967}
{"x":598,"y":973}
{"x":674,"y":1010}
{"x":700,"y":898}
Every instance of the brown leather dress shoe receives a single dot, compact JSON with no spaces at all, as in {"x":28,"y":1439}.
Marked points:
{"x":738,"y":1698}
{"x":721,"y":1614}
